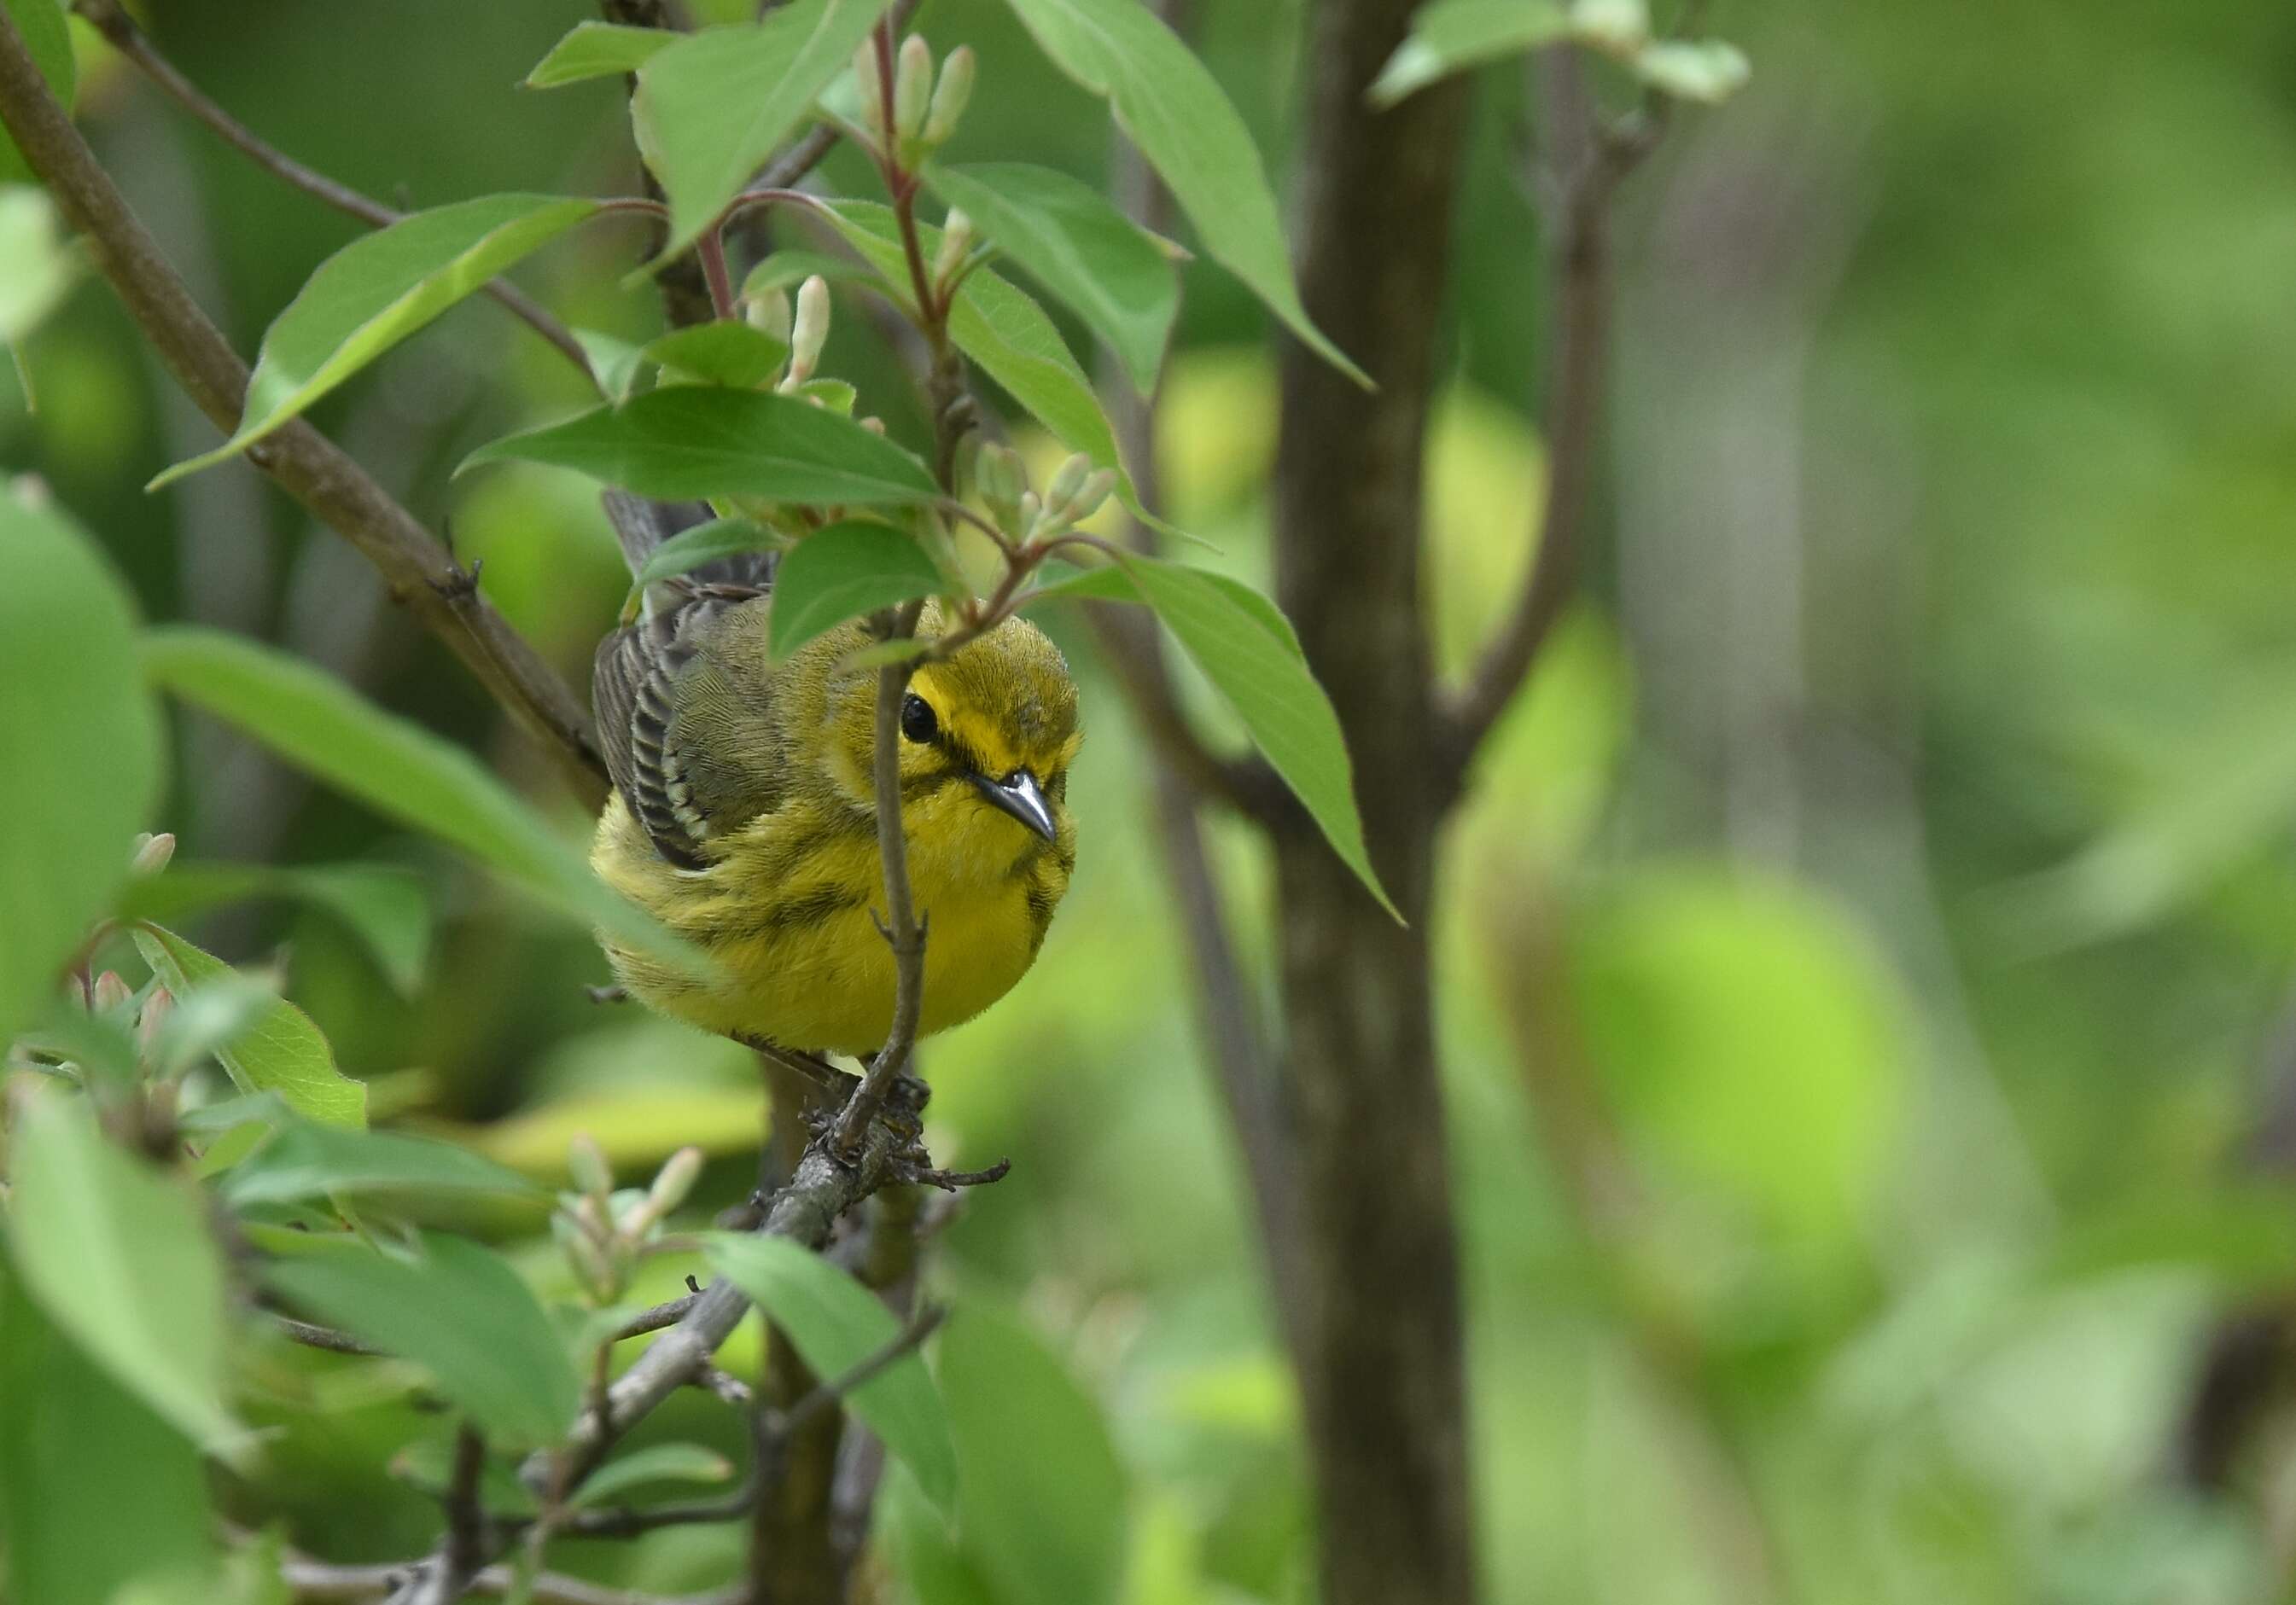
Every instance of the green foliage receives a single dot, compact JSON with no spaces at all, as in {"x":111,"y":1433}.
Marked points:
{"x":82,"y":746}
{"x":1183,"y":123}
{"x":120,"y":1260}
{"x":592,"y":50}
{"x":40,"y":24}
{"x":376,"y":292}
{"x":304,"y":1161}
{"x":1118,"y":276}
{"x":1449,"y":36}
{"x":841,"y":572}
{"x":712,"y":107}
{"x":461,"y":1313}
{"x":722,"y":353}
{"x":835,"y":1324}
{"x":385,"y":908}
{"x":656,"y":1463}
{"x":282,"y":1052}
{"x":690,"y":549}
{"x":702,"y":440}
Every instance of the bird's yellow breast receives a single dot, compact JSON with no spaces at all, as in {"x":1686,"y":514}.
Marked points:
{"x":786,"y":912}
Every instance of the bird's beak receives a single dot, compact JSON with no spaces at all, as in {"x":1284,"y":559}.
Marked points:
{"x":1019,"y":795}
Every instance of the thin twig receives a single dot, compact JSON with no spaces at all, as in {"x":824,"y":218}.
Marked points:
{"x":113,"y":22}
{"x":318,"y":1583}
{"x":667,"y":1314}
{"x":312,"y":1335}
{"x":421,"y":573}
{"x":466,"y":1516}
{"x":921,"y":1326}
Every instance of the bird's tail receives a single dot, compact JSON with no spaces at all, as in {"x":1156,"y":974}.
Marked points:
{"x":640,"y":525}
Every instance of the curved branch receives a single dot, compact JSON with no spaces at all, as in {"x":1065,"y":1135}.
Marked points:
{"x":107,"y":18}
{"x":422,"y":574}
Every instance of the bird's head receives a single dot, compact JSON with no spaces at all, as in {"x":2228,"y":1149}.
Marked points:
{"x":987,"y":736}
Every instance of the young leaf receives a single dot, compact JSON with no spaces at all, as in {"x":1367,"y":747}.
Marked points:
{"x":43,"y":262}
{"x":1115,"y":273}
{"x":1447,"y":36}
{"x":377,"y":291}
{"x":282,"y":1052}
{"x":121,"y":1260}
{"x":82,"y":748}
{"x":79,"y":1531}
{"x":721,"y":353}
{"x":840,"y":573}
{"x":712,"y":107}
{"x":788,"y":269}
{"x":694,"y":441}
{"x":1190,"y":132}
{"x":1008,"y":334}
{"x":314,"y":1161}
{"x":208,"y":1018}
{"x":1043,"y":1491}
{"x":596,"y":50}
{"x":382,"y":906}
{"x":1248,"y":651}
{"x":1692,"y":70}
{"x":836,"y":1323}
{"x":461,"y":1313}
{"x":1111,"y":583}
{"x":613,"y":361}
{"x":689,"y":549}
{"x":656,"y":1463}
{"x":394,"y":765}
{"x":40,"y":24}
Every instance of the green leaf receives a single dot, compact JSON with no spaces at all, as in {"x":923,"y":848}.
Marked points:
{"x":463,"y":1314}
{"x":1707,"y":70}
{"x":377,"y":291}
{"x":381,"y":905}
{"x":317,"y":1162}
{"x":1447,"y":36}
{"x":614,"y":363}
{"x":42,"y":263}
{"x":206,"y":1020}
{"x":657,"y":1463}
{"x":120,"y":1260}
{"x":284,"y":1053}
{"x":1248,"y":651}
{"x":97,"y":1492}
{"x":840,"y":573}
{"x":1043,"y":1496}
{"x":722,"y":353}
{"x":1115,"y":273}
{"x":82,"y":748}
{"x":689,"y":549}
{"x":40,"y":24}
{"x":596,"y":50}
{"x":836,"y":1323}
{"x":394,"y":765}
{"x":428,"y":1464}
{"x":1109,"y":583}
{"x":788,"y":269}
{"x":698,"y":441}
{"x":1193,"y":137}
{"x":710,"y":109}
{"x":926,"y":1555}
{"x":999,"y":327}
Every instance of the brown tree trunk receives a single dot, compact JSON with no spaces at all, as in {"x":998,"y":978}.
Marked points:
{"x":1382,"y":1363}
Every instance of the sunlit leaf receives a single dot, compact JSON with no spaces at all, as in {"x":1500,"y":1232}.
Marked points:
{"x":721,"y":353}
{"x":377,"y":291}
{"x":393,"y":764}
{"x":40,"y":24}
{"x":1042,"y":1491}
{"x":1116,"y":274}
{"x":316,"y":1161}
{"x":1449,"y":36}
{"x":41,"y":262}
{"x":381,"y":905}
{"x":1190,"y":134}
{"x":689,"y":549}
{"x":712,"y":107}
{"x":121,"y":1260}
{"x":695,"y":441}
{"x":97,"y":1491}
{"x":461,"y":1314}
{"x":81,"y":747}
{"x":283,"y":1051}
{"x":843,"y":572}
{"x":836,"y":1323}
{"x":594,"y":50}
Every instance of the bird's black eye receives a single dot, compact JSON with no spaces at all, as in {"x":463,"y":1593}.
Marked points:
{"x":917,"y":721}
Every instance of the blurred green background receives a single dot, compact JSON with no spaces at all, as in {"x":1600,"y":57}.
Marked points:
{"x":1865,"y":963}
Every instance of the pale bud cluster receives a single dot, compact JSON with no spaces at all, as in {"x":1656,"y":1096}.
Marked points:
{"x":809,"y":331}
{"x":925,"y":108}
{"x":602,"y":1230}
{"x":1077,"y":491}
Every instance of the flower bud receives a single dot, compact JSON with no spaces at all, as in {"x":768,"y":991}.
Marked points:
{"x":955,"y":241}
{"x":809,"y":329}
{"x":1067,"y":481}
{"x":674,"y":1180}
{"x":912,"y":87}
{"x":1097,"y":485}
{"x":585,"y":1161}
{"x":152,"y":853}
{"x":949,"y":96}
{"x":160,"y":1005}
{"x":110,"y":993}
{"x":593,"y":1267}
{"x":1032,"y":512}
{"x":999,"y":477}
{"x":770,"y":312}
{"x":874,"y":425}
{"x":865,"y":84}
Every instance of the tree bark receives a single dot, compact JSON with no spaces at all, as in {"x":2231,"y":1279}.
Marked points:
{"x":1382,"y":1366}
